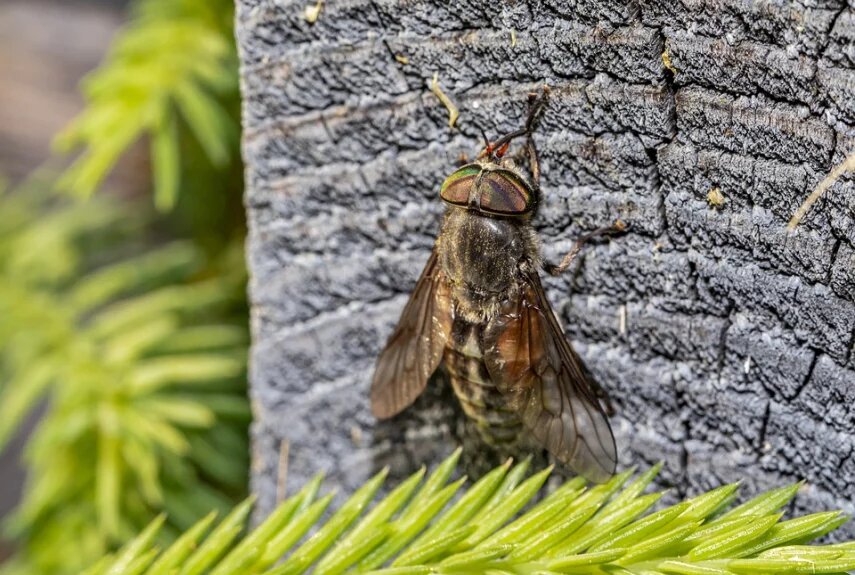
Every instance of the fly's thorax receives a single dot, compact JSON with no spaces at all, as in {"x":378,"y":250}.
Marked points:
{"x":482,"y":256}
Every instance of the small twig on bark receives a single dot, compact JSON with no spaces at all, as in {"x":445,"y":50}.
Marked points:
{"x":282,"y":471}
{"x":312,"y":12}
{"x":848,"y":165}
{"x":453,"y":112}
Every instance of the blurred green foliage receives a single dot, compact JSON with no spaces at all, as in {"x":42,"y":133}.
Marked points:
{"x":419,"y":528}
{"x":174,"y":67}
{"x":124,"y":327}
{"x":139,"y":360}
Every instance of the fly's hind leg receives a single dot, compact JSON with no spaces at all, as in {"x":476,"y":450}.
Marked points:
{"x":556,"y":270}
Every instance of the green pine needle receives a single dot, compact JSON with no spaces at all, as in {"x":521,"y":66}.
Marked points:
{"x":579,"y":528}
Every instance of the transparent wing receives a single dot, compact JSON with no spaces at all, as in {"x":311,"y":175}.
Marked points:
{"x":541,"y":377}
{"x":415,"y":349}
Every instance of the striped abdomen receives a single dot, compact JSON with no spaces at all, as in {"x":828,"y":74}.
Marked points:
{"x":481,"y":401}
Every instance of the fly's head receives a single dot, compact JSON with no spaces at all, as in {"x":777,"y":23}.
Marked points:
{"x":492,"y":185}
{"x":491,"y":188}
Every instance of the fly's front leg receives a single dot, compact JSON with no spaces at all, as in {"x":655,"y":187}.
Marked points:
{"x":536,"y":105}
{"x":529,"y":153}
{"x":534,"y":161}
{"x":556,"y":270}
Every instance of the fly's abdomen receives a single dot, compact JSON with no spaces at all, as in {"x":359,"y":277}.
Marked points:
{"x":481,"y":401}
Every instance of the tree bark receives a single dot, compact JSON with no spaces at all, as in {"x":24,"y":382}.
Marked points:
{"x":724,"y":340}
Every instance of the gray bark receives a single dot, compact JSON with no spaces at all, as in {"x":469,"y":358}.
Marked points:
{"x":736,"y":358}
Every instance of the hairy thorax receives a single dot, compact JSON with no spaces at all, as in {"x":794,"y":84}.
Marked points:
{"x":483,"y":256}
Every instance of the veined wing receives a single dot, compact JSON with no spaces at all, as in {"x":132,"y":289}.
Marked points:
{"x":415,"y":349}
{"x":534,"y":367}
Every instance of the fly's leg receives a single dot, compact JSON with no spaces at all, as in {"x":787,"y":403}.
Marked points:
{"x":536,"y":105}
{"x":556,"y":270}
{"x":529,"y":154}
{"x":618,"y":227}
{"x":534,"y":161}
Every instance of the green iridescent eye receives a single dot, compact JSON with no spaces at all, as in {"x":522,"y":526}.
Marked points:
{"x":457,"y":187}
{"x":504,"y":192}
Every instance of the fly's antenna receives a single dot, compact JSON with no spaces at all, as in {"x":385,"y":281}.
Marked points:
{"x":488,"y":147}
{"x":484,"y":135}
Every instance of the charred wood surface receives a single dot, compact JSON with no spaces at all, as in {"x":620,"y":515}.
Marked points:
{"x":725,"y":341}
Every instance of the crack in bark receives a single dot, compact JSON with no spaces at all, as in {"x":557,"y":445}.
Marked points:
{"x":807,"y":376}
{"x":850,"y":347}
{"x":761,"y":438}
{"x":722,"y":343}
{"x":834,"y":249}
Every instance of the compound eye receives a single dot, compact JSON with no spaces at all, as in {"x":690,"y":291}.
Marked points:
{"x":505,"y":193}
{"x":456,"y":187}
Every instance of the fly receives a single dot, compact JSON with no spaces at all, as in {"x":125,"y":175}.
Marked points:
{"x":479,"y":313}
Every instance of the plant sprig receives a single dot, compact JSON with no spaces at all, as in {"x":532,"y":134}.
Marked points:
{"x":579,"y":528}
{"x":139,"y":359}
{"x":173,"y":67}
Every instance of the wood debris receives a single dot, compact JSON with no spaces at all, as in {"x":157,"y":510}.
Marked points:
{"x":715,"y":198}
{"x":848,"y":165}
{"x":312,"y":12}
{"x":622,"y":319}
{"x":453,"y":112}
{"x":666,"y":59}
{"x":282,"y":471}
